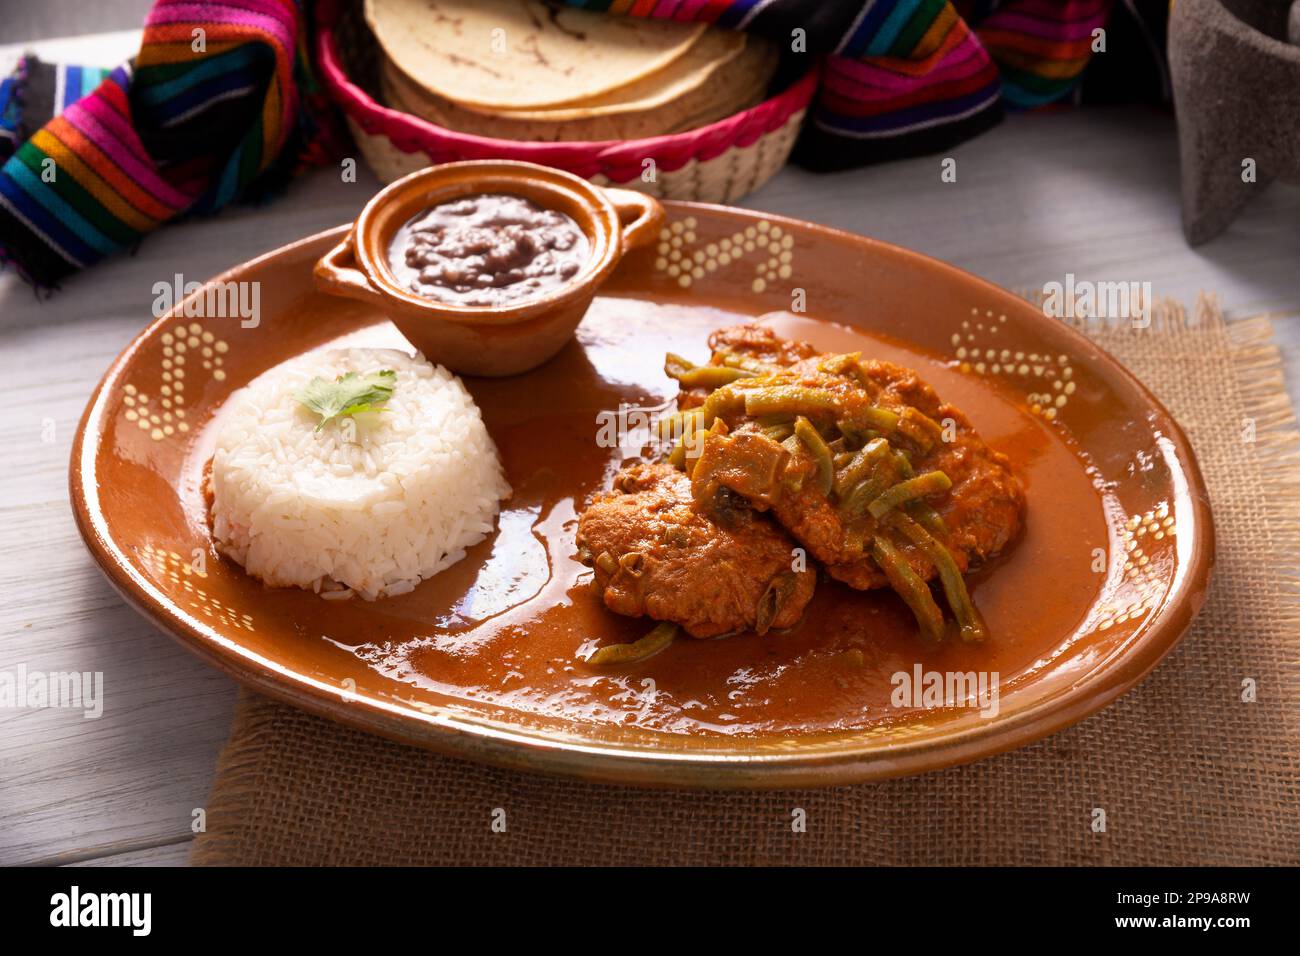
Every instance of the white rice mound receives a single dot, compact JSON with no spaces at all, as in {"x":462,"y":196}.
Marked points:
{"x":371,"y":504}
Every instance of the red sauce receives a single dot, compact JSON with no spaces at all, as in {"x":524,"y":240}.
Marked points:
{"x":504,"y":628}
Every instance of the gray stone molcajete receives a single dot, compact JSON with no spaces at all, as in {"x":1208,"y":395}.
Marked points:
{"x":1236,"y":76}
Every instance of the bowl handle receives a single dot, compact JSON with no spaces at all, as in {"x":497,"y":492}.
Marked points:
{"x":641,"y":216}
{"x":336,"y":273}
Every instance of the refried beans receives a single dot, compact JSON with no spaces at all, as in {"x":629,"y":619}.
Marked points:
{"x":488,"y":249}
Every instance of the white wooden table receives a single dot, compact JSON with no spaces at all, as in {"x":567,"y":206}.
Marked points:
{"x":1091,"y":193}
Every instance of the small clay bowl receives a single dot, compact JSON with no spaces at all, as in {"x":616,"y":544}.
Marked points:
{"x":499,"y":339}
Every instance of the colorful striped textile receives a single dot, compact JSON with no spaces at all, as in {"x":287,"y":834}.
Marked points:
{"x":909,"y":76}
{"x":1041,"y":46}
{"x":204,"y":112}
{"x":47,"y":90}
{"x":221,"y":104}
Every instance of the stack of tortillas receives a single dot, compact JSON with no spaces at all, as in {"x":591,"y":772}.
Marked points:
{"x":526,"y":70}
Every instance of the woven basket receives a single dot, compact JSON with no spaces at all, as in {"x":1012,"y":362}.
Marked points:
{"x":716,"y":163}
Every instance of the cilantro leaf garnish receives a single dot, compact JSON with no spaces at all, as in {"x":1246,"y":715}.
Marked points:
{"x":347,"y":395}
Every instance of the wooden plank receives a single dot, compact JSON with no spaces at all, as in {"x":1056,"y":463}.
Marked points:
{"x":1092,"y":192}
{"x":75,"y":788}
{"x":169,"y":854}
{"x":36,"y":21}
{"x":75,"y":784}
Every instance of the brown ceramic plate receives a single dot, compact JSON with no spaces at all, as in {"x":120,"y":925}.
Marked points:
{"x":482,"y":661}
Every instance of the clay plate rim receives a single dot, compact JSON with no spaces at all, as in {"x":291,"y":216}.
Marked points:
{"x":854,"y":762}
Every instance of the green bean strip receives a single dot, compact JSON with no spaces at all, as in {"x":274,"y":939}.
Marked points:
{"x":862,"y":466}
{"x":847,"y":365}
{"x":954,"y":586}
{"x":791,"y":399}
{"x":747,"y":362}
{"x":928,"y":518}
{"x":903,"y":464}
{"x":855,"y":503}
{"x":778,"y":433}
{"x":691,"y":375}
{"x":712,"y":376}
{"x":930,"y":483}
{"x":816,"y":445}
{"x":675,"y":365}
{"x":679,"y":423}
{"x":860,"y":437}
{"x":919,"y":428}
{"x":682,"y":427}
{"x":873,"y":416}
{"x":922,"y":511}
{"x":851,"y":432}
{"x":909,"y":586}
{"x":720,"y":402}
{"x":838,"y":364}
{"x":917,"y":437}
{"x":914,"y":416}
{"x":632,"y":653}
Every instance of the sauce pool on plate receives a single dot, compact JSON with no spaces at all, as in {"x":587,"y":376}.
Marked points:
{"x":489,"y":249}
{"x":507,"y":628}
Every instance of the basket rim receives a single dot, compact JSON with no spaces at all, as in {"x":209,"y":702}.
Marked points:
{"x":619,"y":160}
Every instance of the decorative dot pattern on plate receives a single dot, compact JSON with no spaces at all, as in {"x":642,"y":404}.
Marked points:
{"x":977,"y":352}
{"x":1141,"y":536}
{"x":681,"y":260}
{"x":188,"y":352}
{"x":168,"y":567}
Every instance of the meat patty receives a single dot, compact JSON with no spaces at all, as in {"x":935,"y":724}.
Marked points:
{"x":758,"y":342}
{"x":979,"y":513}
{"x":656,"y":554}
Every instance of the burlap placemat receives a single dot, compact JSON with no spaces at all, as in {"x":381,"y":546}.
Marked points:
{"x":1186,"y":772}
